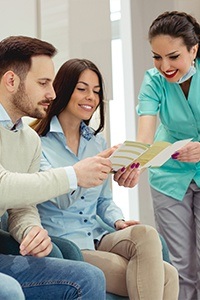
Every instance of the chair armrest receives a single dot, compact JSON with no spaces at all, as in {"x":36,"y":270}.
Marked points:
{"x":68,"y":249}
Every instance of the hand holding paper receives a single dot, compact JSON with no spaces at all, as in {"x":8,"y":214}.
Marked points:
{"x":153,"y":155}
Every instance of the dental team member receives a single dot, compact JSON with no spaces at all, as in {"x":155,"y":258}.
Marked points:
{"x":172,"y":90}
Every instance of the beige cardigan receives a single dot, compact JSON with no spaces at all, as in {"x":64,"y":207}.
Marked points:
{"x":20,"y":154}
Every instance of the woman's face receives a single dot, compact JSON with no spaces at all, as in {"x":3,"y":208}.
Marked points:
{"x":171,"y":57}
{"x":85,"y":97}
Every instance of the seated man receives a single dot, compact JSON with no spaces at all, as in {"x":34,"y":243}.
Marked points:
{"x":26,"y":75}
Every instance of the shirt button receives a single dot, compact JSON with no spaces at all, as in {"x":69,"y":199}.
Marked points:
{"x":82,"y":197}
{"x":89,"y":233}
{"x":85,"y":220}
{"x":80,"y":212}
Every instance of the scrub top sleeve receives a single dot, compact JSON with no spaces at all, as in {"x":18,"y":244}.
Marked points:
{"x":149,"y":95}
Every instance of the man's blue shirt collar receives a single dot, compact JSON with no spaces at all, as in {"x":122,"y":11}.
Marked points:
{"x":6,"y":121}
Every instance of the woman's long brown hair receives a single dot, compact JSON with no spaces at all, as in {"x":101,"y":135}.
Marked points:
{"x":64,"y":85}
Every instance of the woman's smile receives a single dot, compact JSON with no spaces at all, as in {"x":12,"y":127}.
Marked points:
{"x":170,"y":74}
{"x":86,"y":107}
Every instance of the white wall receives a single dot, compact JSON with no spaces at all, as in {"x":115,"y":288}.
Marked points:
{"x":18,"y":18}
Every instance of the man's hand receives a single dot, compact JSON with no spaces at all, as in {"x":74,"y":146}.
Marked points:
{"x":107,"y":153}
{"x":36,"y":243}
{"x":121,"y":224}
{"x":92,"y":171}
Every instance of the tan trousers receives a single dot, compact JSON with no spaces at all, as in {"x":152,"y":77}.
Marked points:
{"x":131,"y":260}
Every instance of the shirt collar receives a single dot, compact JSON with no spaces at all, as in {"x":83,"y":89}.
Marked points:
{"x":6,"y":121}
{"x":85,"y":130}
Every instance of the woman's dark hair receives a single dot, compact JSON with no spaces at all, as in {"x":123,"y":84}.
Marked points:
{"x":64,"y":85}
{"x":177,"y":24}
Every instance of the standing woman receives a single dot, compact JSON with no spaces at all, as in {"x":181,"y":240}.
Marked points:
{"x":131,"y":256}
{"x":172,"y":90}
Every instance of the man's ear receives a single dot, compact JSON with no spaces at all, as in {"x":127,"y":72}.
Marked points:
{"x":11,"y":81}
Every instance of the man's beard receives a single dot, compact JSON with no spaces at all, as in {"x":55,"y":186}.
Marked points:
{"x":24,"y":105}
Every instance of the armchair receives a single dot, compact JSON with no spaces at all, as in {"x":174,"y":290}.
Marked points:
{"x":62,"y":248}
{"x":9,"y":245}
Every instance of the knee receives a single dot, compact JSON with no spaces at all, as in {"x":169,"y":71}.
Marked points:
{"x":12,"y":290}
{"x":92,"y":272}
{"x":145,"y":234}
{"x":138,"y":240}
{"x":146,"y":240}
{"x":171,"y":278}
{"x":17,"y":294}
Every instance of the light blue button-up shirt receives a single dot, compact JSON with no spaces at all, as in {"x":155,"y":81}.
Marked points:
{"x":6,"y":121}
{"x":73,"y":216}
{"x":180,"y":119}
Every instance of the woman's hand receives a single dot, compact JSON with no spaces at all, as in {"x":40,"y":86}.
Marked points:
{"x":121,"y":224}
{"x":127,"y":177}
{"x":188,"y":153}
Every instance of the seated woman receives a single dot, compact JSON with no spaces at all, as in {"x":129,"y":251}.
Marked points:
{"x":130,"y":257}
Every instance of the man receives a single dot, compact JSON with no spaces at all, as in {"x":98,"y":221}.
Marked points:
{"x":26,"y":76}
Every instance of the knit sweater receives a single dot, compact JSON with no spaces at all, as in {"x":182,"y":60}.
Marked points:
{"x":19,"y":192}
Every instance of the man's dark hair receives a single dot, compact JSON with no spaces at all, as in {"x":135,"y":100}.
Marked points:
{"x":16,"y":53}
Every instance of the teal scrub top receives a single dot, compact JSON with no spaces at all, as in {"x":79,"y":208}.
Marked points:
{"x":179,"y":119}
